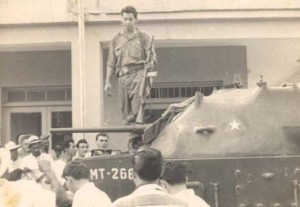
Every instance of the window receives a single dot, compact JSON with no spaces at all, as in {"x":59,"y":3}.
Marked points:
{"x":38,"y":95}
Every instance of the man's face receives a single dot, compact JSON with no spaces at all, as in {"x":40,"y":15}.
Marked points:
{"x":128,"y":21}
{"x":58,"y":150}
{"x":71,"y":150}
{"x":102,"y":142}
{"x":83,"y":148}
{"x":14,"y":154}
{"x":35,"y":149}
{"x":25,"y":146}
{"x":45,"y":144}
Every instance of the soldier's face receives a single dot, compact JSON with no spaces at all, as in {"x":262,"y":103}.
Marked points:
{"x":128,"y":21}
{"x":102,"y":142}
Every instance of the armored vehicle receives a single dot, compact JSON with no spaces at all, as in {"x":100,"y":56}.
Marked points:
{"x":240,"y":147}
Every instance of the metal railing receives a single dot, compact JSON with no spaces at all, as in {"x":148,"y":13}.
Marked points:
{"x":183,"y":90}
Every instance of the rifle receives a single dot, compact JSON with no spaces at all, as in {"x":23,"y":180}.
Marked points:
{"x":142,"y":95}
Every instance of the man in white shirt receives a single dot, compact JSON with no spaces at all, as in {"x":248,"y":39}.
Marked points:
{"x":69,"y":151}
{"x":174,"y":181}
{"x":45,"y":146}
{"x":86,"y":194}
{"x":15,"y":162}
{"x":22,"y":193}
{"x":30,"y":162}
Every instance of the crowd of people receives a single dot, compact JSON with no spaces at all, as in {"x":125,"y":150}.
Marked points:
{"x":38,"y":179}
{"x":34,"y":175}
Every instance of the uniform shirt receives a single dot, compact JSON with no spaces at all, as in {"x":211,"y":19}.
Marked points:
{"x":90,"y":196}
{"x":31,"y":162}
{"x":131,"y":49}
{"x":191,"y":198}
{"x":149,"y":195}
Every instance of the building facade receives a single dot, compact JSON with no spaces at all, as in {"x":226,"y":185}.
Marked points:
{"x":52,"y":68}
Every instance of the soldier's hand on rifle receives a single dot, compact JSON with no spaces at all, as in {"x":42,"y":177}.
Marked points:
{"x":150,"y":65}
{"x":107,"y":88}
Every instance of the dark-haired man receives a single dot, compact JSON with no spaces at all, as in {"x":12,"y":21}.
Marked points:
{"x":69,"y":151}
{"x":147,"y":166}
{"x":102,"y":141}
{"x":128,"y":52}
{"x":86,"y":194}
{"x":102,"y":145}
{"x":83,"y":148}
{"x":174,"y":181}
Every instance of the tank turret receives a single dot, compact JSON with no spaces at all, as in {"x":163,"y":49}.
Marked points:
{"x":234,"y":122}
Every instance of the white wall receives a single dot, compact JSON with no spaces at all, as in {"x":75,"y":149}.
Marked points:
{"x":50,"y":11}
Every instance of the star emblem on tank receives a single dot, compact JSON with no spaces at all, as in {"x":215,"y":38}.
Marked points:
{"x":234,"y":125}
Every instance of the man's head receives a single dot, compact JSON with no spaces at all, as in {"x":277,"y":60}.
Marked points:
{"x":58,"y":150}
{"x":76,"y":173}
{"x":22,"y":140}
{"x":45,"y":142}
{"x":13,"y":148}
{"x":129,"y":18}
{"x":82,"y":147}
{"x":68,"y":147}
{"x":102,"y":141}
{"x":34,"y":144}
{"x":147,"y":164}
{"x":174,"y":176}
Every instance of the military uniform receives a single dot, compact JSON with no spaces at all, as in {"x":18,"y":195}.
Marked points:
{"x":149,"y":195}
{"x":127,"y":56}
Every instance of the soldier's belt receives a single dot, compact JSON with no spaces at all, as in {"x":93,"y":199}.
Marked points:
{"x":129,"y":69}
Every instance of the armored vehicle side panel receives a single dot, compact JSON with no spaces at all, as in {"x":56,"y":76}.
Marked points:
{"x":241,"y":148}
{"x":222,"y":182}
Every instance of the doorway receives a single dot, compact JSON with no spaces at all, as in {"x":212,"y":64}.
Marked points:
{"x":37,"y":120}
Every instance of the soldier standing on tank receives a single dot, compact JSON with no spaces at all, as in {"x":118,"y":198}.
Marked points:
{"x":127,"y":57}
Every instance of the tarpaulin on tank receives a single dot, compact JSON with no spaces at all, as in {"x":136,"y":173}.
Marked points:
{"x":233,"y":122}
